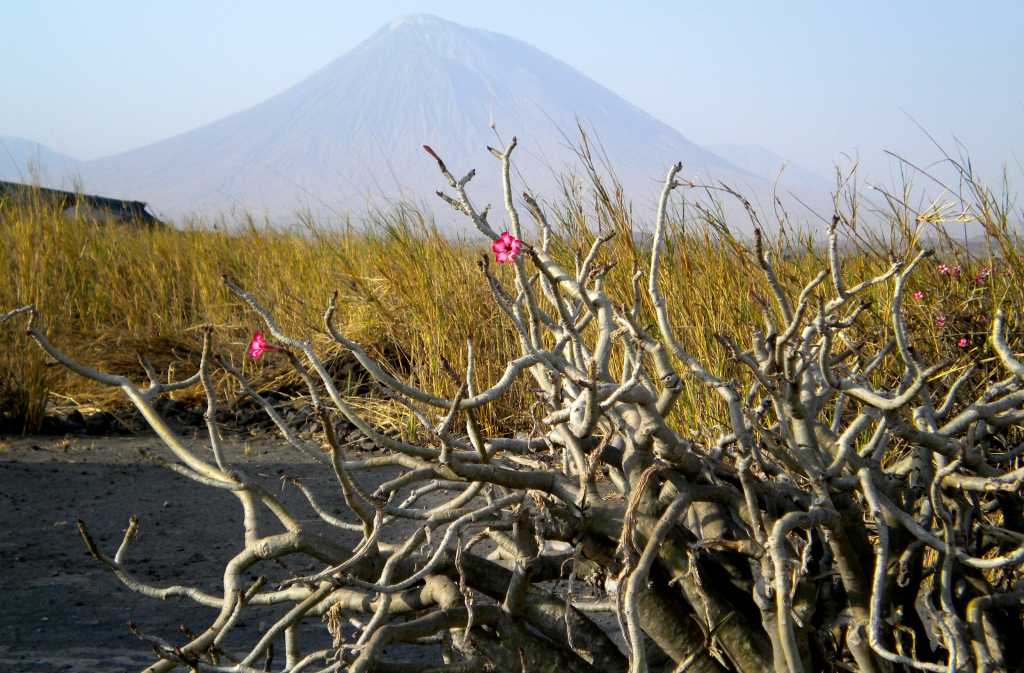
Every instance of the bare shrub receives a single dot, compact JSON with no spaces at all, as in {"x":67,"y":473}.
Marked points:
{"x":844,"y":521}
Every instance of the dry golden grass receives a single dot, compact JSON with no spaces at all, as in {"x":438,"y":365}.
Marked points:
{"x":108,"y":293}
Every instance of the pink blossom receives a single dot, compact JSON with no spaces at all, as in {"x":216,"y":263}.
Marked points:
{"x":947,"y":270}
{"x":940,"y":321}
{"x":258,"y":346}
{"x":506,"y":248}
{"x":983,"y":275}
{"x":918,"y":296}
{"x":963,"y":343}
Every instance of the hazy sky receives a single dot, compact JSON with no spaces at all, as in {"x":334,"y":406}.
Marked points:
{"x":809,"y":80}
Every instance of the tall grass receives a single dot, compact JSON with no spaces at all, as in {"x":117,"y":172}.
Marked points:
{"x":109,"y":293}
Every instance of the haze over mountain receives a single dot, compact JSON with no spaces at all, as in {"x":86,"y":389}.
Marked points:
{"x":24,"y":160}
{"x":351,"y":134}
{"x":766,"y":163}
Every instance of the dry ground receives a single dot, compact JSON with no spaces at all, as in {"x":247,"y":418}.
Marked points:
{"x":62,"y":611}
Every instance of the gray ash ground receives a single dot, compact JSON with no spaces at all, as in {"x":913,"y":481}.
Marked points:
{"x":60,"y":610}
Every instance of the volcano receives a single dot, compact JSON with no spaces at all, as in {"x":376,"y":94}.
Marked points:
{"x":350,"y":135}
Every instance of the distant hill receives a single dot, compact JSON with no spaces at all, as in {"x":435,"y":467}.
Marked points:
{"x":27,"y":161}
{"x":351,"y":133}
{"x":766,"y":163}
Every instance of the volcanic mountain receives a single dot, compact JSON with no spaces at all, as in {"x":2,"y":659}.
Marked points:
{"x":350,"y":135}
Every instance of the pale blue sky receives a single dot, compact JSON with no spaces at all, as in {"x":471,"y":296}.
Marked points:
{"x":810,"y":80}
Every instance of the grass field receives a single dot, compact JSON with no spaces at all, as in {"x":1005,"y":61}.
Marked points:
{"x":108,"y":293}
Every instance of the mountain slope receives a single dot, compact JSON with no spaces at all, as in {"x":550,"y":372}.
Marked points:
{"x":351,"y":133}
{"x":26,"y":161}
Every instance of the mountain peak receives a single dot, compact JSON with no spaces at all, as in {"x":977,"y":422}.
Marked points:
{"x":352,"y":132}
{"x":417,"y":21}
{"x":403,"y":34}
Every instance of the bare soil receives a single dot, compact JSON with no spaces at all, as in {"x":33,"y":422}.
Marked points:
{"x":60,"y":610}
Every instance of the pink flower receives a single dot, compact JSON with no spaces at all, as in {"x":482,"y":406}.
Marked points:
{"x":940,"y":321}
{"x":963,"y":343}
{"x":983,"y":275}
{"x":918,"y":296}
{"x":506,"y":248}
{"x":947,"y":270}
{"x":258,"y":346}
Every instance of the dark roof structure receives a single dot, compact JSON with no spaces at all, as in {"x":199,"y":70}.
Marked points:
{"x":114,"y":209}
